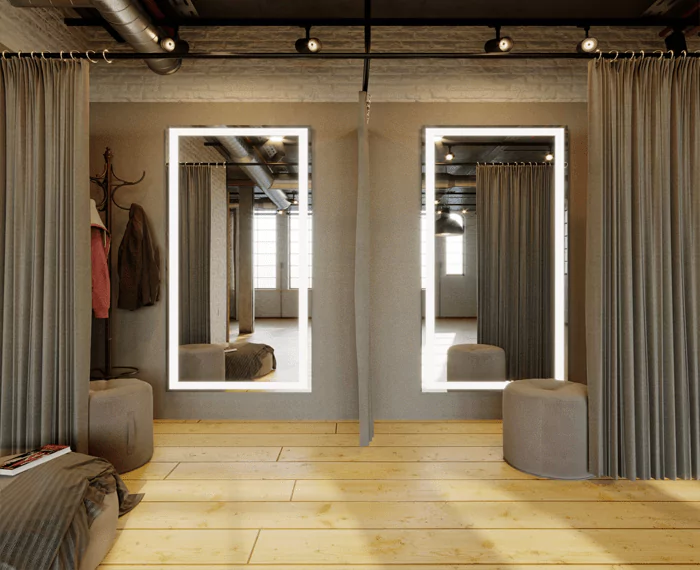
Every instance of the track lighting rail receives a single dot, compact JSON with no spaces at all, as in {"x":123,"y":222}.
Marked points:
{"x":109,"y":57}
{"x":407,"y":22}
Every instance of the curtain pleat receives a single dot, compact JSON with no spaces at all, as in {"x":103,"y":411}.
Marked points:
{"x":514,"y":228}
{"x":45,"y":282}
{"x":643,"y":265}
{"x":195,"y":249}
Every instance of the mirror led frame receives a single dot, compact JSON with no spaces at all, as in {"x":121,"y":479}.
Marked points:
{"x":435,"y":134}
{"x":174,"y":134}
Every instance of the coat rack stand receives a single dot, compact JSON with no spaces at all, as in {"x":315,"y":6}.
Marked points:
{"x":110,"y":183}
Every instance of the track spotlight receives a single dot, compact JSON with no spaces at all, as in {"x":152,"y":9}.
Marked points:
{"x":276,"y":139}
{"x":308,"y":44}
{"x":587,"y":44}
{"x":549,"y":157}
{"x":465,"y":211}
{"x":450,"y":155}
{"x":498,"y":44}
{"x":676,"y":42}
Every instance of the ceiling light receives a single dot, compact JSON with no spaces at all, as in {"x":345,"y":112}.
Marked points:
{"x":276,"y":139}
{"x":280,"y":212}
{"x":308,"y":44}
{"x":549,"y":157}
{"x":437,"y":202}
{"x":465,"y":211}
{"x":450,"y":155}
{"x":448,"y":225}
{"x":168,"y":44}
{"x":587,"y":44}
{"x":498,"y":44}
{"x":676,"y":42}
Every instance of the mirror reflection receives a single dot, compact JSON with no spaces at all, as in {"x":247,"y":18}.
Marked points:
{"x":489,"y":222}
{"x":240,"y":262}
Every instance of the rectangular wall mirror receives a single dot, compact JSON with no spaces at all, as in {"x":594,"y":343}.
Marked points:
{"x":239,"y":259}
{"x":494,"y":256}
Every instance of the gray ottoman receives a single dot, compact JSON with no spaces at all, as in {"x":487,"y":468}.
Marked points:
{"x":545,"y":428}
{"x":202,"y":362}
{"x":473,"y":362}
{"x":121,"y":422}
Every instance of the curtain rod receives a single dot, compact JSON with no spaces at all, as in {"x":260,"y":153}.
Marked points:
{"x":109,"y":57}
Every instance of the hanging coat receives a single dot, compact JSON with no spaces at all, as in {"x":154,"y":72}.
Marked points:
{"x":138,"y":264}
{"x":99,"y":246}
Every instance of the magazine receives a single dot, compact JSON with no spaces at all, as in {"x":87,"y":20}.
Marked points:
{"x":30,"y":459}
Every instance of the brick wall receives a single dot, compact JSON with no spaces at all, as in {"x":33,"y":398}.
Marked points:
{"x":333,"y":81}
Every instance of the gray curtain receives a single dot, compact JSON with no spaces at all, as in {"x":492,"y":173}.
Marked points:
{"x":643,"y":268}
{"x":45,"y":300}
{"x":195,"y":248}
{"x":362,"y":277}
{"x":514,"y":229}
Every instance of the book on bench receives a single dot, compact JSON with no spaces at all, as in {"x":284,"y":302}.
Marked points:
{"x":30,"y":459}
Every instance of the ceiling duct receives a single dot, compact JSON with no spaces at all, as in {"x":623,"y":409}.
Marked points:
{"x":130,"y":21}
{"x":261,"y":175}
{"x":133,"y":24}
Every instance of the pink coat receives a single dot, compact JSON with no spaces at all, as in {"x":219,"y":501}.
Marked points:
{"x":101,"y":295}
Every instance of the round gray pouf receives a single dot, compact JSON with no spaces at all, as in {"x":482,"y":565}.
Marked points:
{"x":475,"y":362}
{"x":121,"y":422}
{"x":545,"y":428}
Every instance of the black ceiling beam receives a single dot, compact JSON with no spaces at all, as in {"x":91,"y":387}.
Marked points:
{"x":644,"y":21}
{"x":368,"y":46}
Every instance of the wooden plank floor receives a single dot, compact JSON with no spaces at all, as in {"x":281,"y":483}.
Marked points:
{"x":424,"y":496}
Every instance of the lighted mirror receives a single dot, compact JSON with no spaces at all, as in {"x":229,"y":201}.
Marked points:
{"x":239,"y":259}
{"x":494,"y":256}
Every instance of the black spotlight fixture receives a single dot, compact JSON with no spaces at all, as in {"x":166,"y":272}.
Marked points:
{"x":308,"y":44}
{"x":446,"y":225}
{"x":587,"y":44}
{"x":498,"y":44}
{"x":450,"y":155}
{"x":676,"y":42}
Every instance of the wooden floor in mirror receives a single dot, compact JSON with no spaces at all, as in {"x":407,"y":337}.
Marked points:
{"x":424,"y":496}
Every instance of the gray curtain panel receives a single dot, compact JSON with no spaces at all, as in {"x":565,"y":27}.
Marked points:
{"x":643,"y":268}
{"x":362,"y":277}
{"x":45,"y":300}
{"x":514,"y":300}
{"x":195,"y":247}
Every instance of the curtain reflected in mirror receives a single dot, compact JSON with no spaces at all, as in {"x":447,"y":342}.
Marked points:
{"x":488,"y":259}
{"x":244,"y":233}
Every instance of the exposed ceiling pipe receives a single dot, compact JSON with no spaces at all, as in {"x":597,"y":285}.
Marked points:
{"x":241,"y":151}
{"x":130,"y":21}
{"x":133,"y":24}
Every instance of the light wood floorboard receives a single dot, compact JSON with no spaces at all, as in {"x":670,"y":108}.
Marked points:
{"x":348,"y":470}
{"x":534,"y":490}
{"x":438,"y":515}
{"x":426,"y":427}
{"x":224,"y":454}
{"x":477,"y":546}
{"x":270,"y":495}
{"x":323,"y":440}
{"x":414,"y":567}
{"x":247,"y":427}
{"x":369,"y":454}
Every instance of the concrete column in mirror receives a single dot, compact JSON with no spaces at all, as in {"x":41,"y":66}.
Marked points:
{"x":240,"y":258}
{"x":494,"y":256}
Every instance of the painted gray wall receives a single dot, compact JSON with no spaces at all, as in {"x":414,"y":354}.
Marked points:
{"x":396,"y":130}
{"x":136,"y":133}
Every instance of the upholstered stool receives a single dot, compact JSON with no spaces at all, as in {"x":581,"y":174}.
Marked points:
{"x":545,"y":428}
{"x":202,"y":362}
{"x":466,"y":362}
{"x":121,"y":422}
